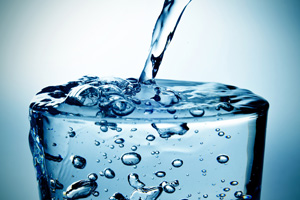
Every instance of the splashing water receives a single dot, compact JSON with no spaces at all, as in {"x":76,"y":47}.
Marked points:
{"x":162,"y":35}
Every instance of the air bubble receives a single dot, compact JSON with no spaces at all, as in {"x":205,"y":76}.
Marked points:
{"x":119,"y":141}
{"x":122,"y":107}
{"x":222,"y":159}
{"x":171,"y":110}
{"x":71,"y":133}
{"x":150,"y":137}
{"x":234,"y":183}
{"x":169,"y":189}
{"x":104,"y":128}
{"x":92,"y":177}
{"x":109,"y":173}
{"x":166,"y":130}
{"x":134,"y":181}
{"x":197,"y":112}
{"x":96,"y":193}
{"x":80,"y":189}
{"x":238,"y":194}
{"x":160,"y":174}
{"x":117,"y":196}
{"x":78,"y":162}
{"x":131,"y":158}
{"x":133,"y":129}
{"x":177,"y":163}
{"x":134,"y":148}
{"x":227,"y":136}
{"x":226,"y":189}
{"x":221,"y":133}
{"x":217,"y":129}
{"x":205,"y":196}
{"x":97,"y":143}
{"x":247,"y":197}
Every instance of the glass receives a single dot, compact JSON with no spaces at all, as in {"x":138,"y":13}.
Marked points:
{"x":173,"y":140}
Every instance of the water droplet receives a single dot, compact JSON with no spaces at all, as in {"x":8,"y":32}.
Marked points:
{"x":109,"y":173}
{"x":121,"y":145}
{"x":196,"y":131}
{"x":160,"y":174}
{"x":71,"y":133}
{"x":205,"y":196}
{"x":119,"y":129}
{"x":150,"y":137}
{"x":134,"y":148}
{"x":221,"y":133}
{"x":197,"y":112}
{"x":226,"y":189}
{"x":133,"y":180}
{"x":223,"y":180}
{"x":177,"y":163}
{"x":131,"y":158}
{"x":222,"y":159}
{"x":133,"y":129}
{"x":222,"y":195}
{"x":119,"y":141}
{"x":112,"y":146}
{"x":234,"y":183}
{"x":92,"y":177}
{"x":78,"y":162}
{"x":166,"y":130}
{"x":80,"y":189}
{"x":175,"y":117}
{"x":217,"y":129}
{"x":227,"y":136}
{"x":203,"y":170}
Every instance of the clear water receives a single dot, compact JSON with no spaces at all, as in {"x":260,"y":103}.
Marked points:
{"x":162,"y":35}
{"x":109,"y":138}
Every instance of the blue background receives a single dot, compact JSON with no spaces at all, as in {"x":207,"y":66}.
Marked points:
{"x":252,"y":44}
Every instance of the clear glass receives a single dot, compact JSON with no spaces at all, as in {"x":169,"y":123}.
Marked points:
{"x":216,"y":155}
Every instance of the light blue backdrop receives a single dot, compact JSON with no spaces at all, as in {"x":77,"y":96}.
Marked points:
{"x":253,"y":44}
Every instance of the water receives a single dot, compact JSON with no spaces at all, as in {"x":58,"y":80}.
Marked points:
{"x":116,"y":154}
{"x":162,"y":35}
{"x":140,"y":139}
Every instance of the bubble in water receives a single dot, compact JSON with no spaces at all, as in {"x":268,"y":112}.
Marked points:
{"x":133,"y":129}
{"x":226,"y":189}
{"x":221,"y":133}
{"x":119,"y":141}
{"x":197,"y":112}
{"x":97,"y":143}
{"x":71,"y":133}
{"x":150,"y":137}
{"x":151,"y":193}
{"x":222,"y":159}
{"x":78,"y":162}
{"x":205,"y":196}
{"x":122,"y":107}
{"x":238,"y":194}
{"x":177,"y":163}
{"x":109,"y":173}
{"x":217,"y":129}
{"x":134,"y":148}
{"x":92,"y":177}
{"x":83,"y":95}
{"x":160,"y":174}
{"x":104,"y":128}
{"x":131,"y":158}
{"x":80,"y":189}
{"x":96,"y":193}
{"x":227,"y":136}
{"x":234,"y":183}
{"x":171,"y":110}
{"x":166,"y":130}
{"x":169,"y":189}
{"x":247,"y":197}
{"x":55,"y":184}
{"x":134,"y":181}
{"x":117,"y":196}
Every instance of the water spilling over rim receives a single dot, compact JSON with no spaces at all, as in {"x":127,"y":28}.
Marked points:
{"x":127,"y":98}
